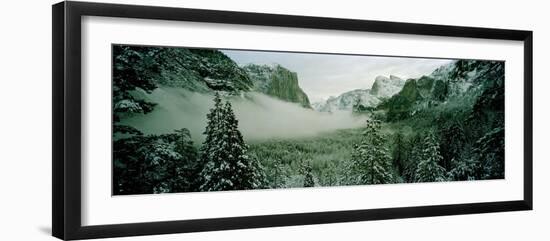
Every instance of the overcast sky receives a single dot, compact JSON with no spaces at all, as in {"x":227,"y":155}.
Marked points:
{"x":325,"y":75}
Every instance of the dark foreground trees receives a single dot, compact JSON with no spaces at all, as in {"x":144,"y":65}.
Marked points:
{"x":428,"y":169}
{"x":133,"y":68}
{"x":307,"y":171}
{"x":154,"y":164}
{"x":145,"y":164}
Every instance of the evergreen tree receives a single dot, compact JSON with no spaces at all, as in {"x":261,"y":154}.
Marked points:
{"x":226,"y":164}
{"x":399,"y":153}
{"x":371,"y":161}
{"x":428,"y":169}
{"x":464,"y":169}
{"x":308,"y":175}
{"x":452,"y":143}
{"x":278,"y":174}
{"x":133,"y":68}
{"x":414,"y":154}
{"x":465,"y":166}
{"x":212,"y":132}
{"x":187,"y":173}
{"x":490,"y":153}
{"x":154,"y":164}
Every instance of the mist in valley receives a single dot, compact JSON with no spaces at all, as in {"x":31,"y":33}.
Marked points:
{"x":260,"y":117}
{"x":440,"y":120}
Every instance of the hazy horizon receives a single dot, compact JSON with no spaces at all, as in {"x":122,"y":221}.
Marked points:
{"x":324,"y":75}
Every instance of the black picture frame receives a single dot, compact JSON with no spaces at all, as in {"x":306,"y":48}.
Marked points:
{"x":66,"y":128}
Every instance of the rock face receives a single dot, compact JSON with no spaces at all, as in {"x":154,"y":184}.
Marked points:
{"x":382,"y":88}
{"x":461,"y":81}
{"x":207,"y":71}
{"x":347,"y":101}
{"x":411,"y":91}
{"x":386,"y":87}
{"x":201,"y":70}
{"x":278,"y":82}
{"x":462,"y":76}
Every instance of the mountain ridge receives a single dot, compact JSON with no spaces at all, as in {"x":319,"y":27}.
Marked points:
{"x":458,"y":81}
{"x":278,"y":82}
{"x":209,"y":70}
{"x":201,"y":70}
{"x":383,"y":87}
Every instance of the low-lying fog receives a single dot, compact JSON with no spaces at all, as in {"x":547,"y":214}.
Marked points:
{"x":260,"y":116}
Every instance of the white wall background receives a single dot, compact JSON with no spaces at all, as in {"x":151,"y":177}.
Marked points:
{"x":25,"y":122}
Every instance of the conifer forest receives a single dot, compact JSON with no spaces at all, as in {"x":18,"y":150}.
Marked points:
{"x":195,"y":120}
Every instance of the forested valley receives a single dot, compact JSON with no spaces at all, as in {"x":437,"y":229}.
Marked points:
{"x":445,"y":126}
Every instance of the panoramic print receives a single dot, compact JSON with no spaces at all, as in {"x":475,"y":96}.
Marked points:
{"x":196,"y":120}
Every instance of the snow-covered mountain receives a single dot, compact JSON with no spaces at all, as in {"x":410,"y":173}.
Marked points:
{"x":457,"y":83}
{"x":382,"y":88}
{"x":387,"y":87}
{"x":278,"y":82}
{"x":347,"y":100}
{"x":465,"y":75}
{"x":209,"y":71}
{"x":318,"y":105}
{"x":458,"y":78}
{"x":199,"y":70}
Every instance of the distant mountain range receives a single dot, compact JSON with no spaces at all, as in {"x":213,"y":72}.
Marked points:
{"x":206,"y":71}
{"x":458,"y":83}
{"x":382,"y":88}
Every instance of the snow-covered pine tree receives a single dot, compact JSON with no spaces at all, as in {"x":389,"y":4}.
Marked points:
{"x":276,"y":175}
{"x":186,"y":172}
{"x":133,"y":68}
{"x":207,"y":151}
{"x":249,"y":171}
{"x":154,"y":164}
{"x":464,"y":169}
{"x":371,"y":161}
{"x":490,"y":154}
{"x":452,"y":143}
{"x":428,"y":169}
{"x":465,"y":166}
{"x":308,"y":175}
{"x":399,"y":153}
{"x":414,"y":155}
{"x":226,"y":164}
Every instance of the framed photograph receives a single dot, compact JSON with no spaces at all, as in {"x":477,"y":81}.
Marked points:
{"x":170,"y":120}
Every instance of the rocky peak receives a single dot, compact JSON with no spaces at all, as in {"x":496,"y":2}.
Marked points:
{"x":386,"y":87}
{"x":460,"y":76}
{"x":278,"y":82}
{"x":383,"y":87}
{"x":201,"y":70}
{"x":396,"y":79}
{"x":459,"y":81}
{"x":347,"y":100}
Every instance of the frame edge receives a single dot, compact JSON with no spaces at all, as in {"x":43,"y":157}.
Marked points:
{"x":528,"y":120}
{"x":66,"y":216}
{"x":58,"y":100}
